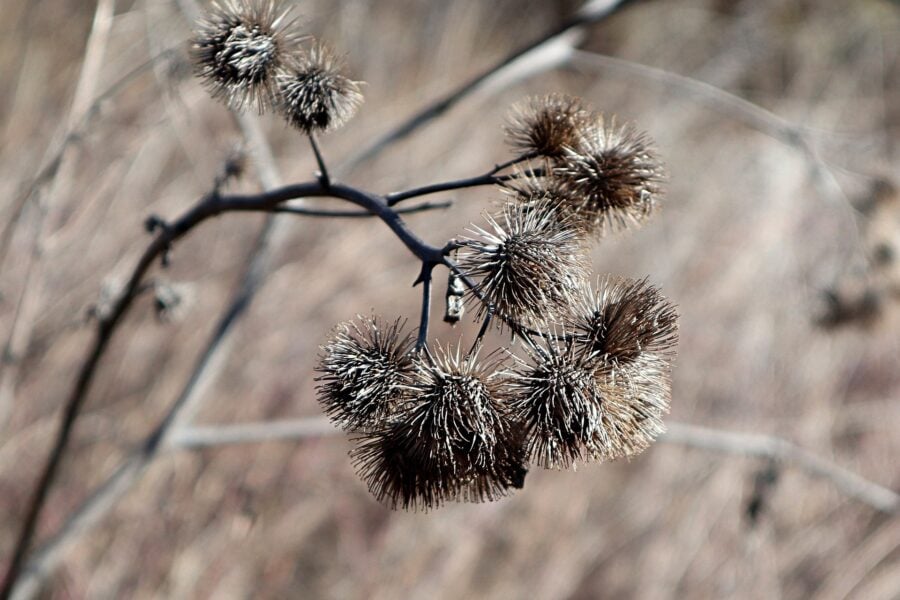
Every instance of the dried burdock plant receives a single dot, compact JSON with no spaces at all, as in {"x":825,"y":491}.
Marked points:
{"x":314,"y":94}
{"x":239,"y":47}
{"x":453,"y":429}
{"x":625,"y":319}
{"x":612,"y":176}
{"x":547,"y":126}
{"x":530,"y":264}
{"x":365,"y":366}
{"x":556,"y":399}
{"x":432,"y":424}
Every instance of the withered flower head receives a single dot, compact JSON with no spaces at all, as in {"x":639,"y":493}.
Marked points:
{"x":314,"y":93}
{"x":449,"y":440}
{"x":625,"y":319}
{"x":636,"y":397}
{"x":240,"y":45}
{"x":531,"y":265}
{"x":365,"y":367}
{"x":546,"y":125}
{"x":557,"y":401}
{"x":612,"y":176}
{"x":573,"y":405}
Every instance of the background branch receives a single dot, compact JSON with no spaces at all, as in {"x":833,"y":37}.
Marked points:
{"x":764,"y":446}
{"x":731,"y":105}
{"x":692,"y":436}
{"x":547,"y":52}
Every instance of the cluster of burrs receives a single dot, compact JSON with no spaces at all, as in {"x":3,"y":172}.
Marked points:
{"x":437,"y":423}
{"x":253,"y":53}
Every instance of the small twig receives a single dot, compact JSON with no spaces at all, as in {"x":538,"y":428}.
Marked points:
{"x":716,"y":98}
{"x":479,"y":180}
{"x":764,"y":446}
{"x":315,"y":212}
{"x":490,"y":178}
{"x":323,"y":170}
{"x":512,"y":162}
{"x":425,"y":279}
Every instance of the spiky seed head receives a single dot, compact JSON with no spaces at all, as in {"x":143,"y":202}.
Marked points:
{"x":636,"y":397}
{"x":631,"y":330}
{"x":556,"y":400}
{"x":532,"y":190}
{"x":239,"y":46}
{"x":611,"y":176}
{"x":574,"y":405}
{"x":450,"y":439}
{"x":365,"y":367}
{"x":531,"y":264}
{"x":315,"y":95}
{"x":625,"y":319}
{"x":546,"y":125}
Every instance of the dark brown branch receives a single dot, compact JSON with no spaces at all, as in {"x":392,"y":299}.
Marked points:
{"x":323,"y":170}
{"x":479,"y":180}
{"x":490,"y":178}
{"x":425,"y":318}
{"x":315,"y":212}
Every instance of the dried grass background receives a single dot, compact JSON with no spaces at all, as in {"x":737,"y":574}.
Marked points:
{"x":748,"y":238}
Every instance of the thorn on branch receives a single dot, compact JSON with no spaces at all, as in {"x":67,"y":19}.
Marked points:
{"x":233,"y":168}
{"x":155,"y":223}
{"x":425,"y":279}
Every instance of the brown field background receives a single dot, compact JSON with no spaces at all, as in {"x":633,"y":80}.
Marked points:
{"x":749,"y":236}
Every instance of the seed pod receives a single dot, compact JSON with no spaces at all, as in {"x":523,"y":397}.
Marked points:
{"x":365,"y":368}
{"x":546,"y":125}
{"x":531,"y":266}
{"x":625,"y":319}
{"x":314,"y":95}
{"x":450,"y":440}
{"x":240,"y":45}
{"x":574,"y":405}
{"x":557,"y":401}
{"x":611,"y":176}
